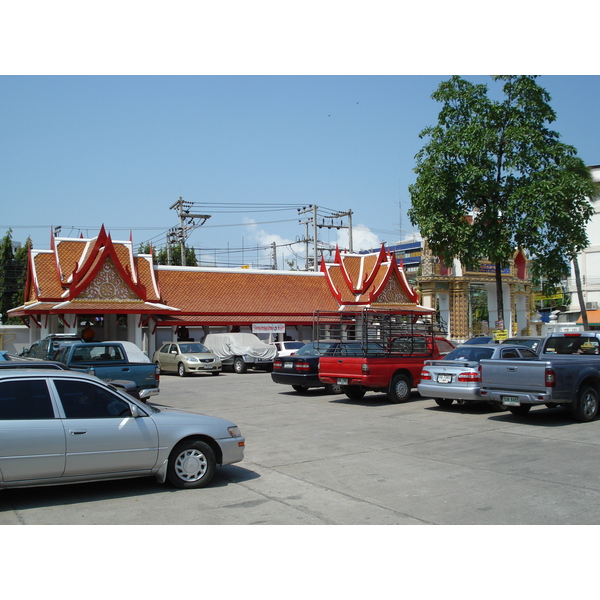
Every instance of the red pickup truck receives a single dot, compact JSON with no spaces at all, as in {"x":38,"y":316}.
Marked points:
{"x":386,"y":355}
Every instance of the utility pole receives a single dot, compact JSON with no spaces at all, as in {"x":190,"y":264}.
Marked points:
{"x":182,"y":232}
{"x":314,"y":208}
{"x":274,"y":246}
{"x":332,"y":225}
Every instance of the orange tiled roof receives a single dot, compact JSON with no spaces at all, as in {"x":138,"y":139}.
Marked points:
{"x":244,"y":291}
{"x":75,"y":274}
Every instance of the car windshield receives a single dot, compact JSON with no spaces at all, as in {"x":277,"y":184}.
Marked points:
{"x":479,"y":340}
{"x":314,"y":349}
{"x":469,"y":353}
{"x":533,"y":344}
{"x":292,"y":345}
{"x":193,"y":349}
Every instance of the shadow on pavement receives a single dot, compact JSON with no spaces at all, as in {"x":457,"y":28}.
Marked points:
{"x":75,"y":493}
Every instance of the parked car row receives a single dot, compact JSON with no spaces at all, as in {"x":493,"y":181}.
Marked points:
{"x":457,"y":376}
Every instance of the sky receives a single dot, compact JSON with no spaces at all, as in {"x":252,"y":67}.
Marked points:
{"x":250,"y":151}
{"x":250,"y":115}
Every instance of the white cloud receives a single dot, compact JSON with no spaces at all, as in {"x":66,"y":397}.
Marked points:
{"x":362,"y":239}
{"x":262,"y":238}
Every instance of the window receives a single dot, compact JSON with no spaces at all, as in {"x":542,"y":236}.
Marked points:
{"x":84,"y":400}
{"x":526,"y":353}
{"x":25,"y":399}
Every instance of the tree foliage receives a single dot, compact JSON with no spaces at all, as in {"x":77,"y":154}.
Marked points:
{"x":170,"y":256}
{"x":493,"y":177}
{"x":13,"y":274}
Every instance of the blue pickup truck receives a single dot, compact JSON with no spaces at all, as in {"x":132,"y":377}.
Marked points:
{"x":113,"y":361}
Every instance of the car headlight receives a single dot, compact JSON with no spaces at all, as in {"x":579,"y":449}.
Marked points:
{"x":192,"y":359}
{"x":234,"y":431}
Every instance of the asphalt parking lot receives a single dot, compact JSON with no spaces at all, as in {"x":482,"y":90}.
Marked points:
{"x":319,"y":459}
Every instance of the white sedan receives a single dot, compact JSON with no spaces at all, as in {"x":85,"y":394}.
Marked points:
{"x":288,"y":348}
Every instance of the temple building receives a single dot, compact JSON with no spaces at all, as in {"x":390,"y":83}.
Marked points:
{"x":105,"y":286}
{"x":456,"y":293}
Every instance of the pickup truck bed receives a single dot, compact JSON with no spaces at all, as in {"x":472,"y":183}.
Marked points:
{"x":572,"y":381}
{"x":380,"y":369}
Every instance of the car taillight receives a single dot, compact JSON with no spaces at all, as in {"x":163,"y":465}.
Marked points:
{"x":469,"y":377}
{"x":550,"y":377}
{"x":302,"y":366}
{"x":157,"y":374}
{"x":365,"y":369}
{"x":426,"y":375}
{"x":277,"y":364}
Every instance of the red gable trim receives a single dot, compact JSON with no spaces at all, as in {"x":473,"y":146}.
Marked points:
{"x":340,"y":262}
{"x":29,"y":281}
{"x":336,"y":293}
{"x":103,"y":246}
{"x":54,"y":251}
{"x":394,"y":268}
{"x":367,"y":283}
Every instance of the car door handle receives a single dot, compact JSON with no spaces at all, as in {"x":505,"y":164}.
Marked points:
{"x":340,"y":361}
{"x":511,"y":368}
{"x":77,"y":431}
{"x":125,"y":368}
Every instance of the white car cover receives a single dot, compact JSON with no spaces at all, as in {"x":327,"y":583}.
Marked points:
{"x":228,"y":345}
{"x":134,"y":354}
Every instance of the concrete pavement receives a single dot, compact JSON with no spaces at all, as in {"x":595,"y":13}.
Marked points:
{"x":322,"y":459}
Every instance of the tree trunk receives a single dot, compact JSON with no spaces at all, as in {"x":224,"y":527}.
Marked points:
{"x":584,"y":317}
{"x":499,"y":298}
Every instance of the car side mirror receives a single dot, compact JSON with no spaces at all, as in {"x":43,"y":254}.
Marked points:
{"x":135,"y":411}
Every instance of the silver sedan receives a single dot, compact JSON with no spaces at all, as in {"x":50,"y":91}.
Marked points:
{"x":187,"y":357}
{"x":65,"y":427}
{"x":458,"y":375}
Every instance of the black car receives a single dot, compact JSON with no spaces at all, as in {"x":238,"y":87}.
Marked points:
{"x":46,"y":348}
{"x":301,"y":370}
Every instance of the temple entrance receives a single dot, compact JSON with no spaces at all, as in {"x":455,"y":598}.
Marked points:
{"x":479,"y":315}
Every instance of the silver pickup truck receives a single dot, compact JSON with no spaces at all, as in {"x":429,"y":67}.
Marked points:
{"x":567,"y":374}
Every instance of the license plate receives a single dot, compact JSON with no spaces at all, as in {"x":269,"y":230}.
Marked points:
{"x":287,"y":365}
{"x":342,"y":381}
{"x":444,"y":378}
{"x":511,"y":401}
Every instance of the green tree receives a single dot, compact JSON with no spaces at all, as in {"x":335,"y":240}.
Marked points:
{"x":493,"y":177}
{"x":145,"y":249}
{"x":13,"y":273}
{"x":172,"y":256}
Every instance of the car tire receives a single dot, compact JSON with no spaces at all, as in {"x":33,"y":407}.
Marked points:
{"x":520,"y":410}
{"x":239,"y":366}
{"x":354,"y":392}
{"x":586,"y":407}
{"x":215,"y":372}
{"x":332,"y":388}
{"x":300,"y":388}
{"x":192,"y":464}
{"x":181,"y":370}
{"x":444,"y":402}
{"x":399,"y":389}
